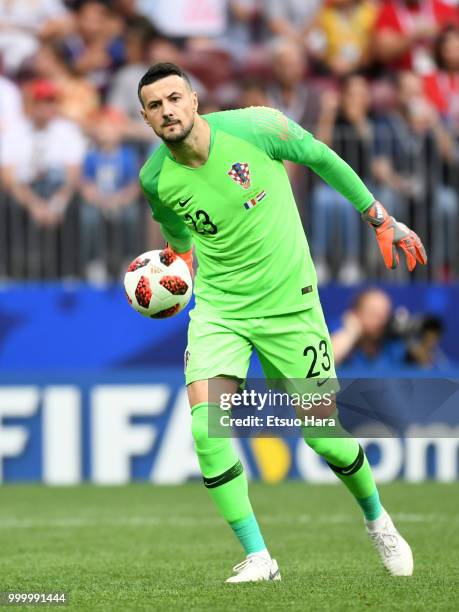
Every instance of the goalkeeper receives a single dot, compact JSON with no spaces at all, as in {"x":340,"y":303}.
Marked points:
{"x":218,"y":183}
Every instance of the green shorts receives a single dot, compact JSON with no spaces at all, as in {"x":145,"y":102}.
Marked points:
{"x":290,"y":346}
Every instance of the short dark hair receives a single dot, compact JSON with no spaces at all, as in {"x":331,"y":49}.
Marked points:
{"x":161,"y":71}
{"x":106,"y":4}
{"x":431,"y":323}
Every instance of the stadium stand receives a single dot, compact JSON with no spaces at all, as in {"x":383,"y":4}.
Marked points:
{"x":388,"y":98}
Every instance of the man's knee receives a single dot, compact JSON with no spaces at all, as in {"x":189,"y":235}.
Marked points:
{"x":216,"y":455}
{"x":322,"y":446}
{"x":204,"y":440}
{"x":212,"y":390}
{"x":200,"y":426}
{"x":336,"y":451}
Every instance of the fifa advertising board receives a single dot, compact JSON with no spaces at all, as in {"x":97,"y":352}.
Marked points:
{"x":134,"y":425}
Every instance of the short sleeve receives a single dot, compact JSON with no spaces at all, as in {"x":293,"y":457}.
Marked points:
{"x":11,"y":145}
{"x":89,"y":167}
{"x":130,"y":163}
{"x":75,"y":145}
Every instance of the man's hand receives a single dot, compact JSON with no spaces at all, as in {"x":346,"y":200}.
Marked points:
{"x":391,"y":234}
{"x":187,"y":258}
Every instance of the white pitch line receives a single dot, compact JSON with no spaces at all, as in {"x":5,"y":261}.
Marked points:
{"x":156,"y":521}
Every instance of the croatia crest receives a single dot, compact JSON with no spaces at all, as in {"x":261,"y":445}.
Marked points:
{"x":240,"y":174}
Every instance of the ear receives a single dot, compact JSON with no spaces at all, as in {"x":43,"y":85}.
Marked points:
{"x":144,"y":115}
{"x":194,"y":96}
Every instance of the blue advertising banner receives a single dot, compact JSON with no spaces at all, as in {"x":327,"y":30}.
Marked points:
{"x":54,"y":326}
{"x":91,"y":391}
{"x":120,"y":426}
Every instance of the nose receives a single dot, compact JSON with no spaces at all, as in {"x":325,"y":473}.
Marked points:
{"x":167,"y":109}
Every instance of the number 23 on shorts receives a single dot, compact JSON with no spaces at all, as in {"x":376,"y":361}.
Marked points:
{"x":318,"y":359}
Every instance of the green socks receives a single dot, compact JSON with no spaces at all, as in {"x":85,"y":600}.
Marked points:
{"x":371,"y":506}
{"x":346,"y":458}
{"x":248,"y":534}
{"x":225,"y":480}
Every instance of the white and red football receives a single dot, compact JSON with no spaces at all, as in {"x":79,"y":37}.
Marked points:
{"x":158,"y":284}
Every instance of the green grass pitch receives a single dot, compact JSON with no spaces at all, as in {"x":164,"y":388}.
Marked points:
{"x":143,"y":547}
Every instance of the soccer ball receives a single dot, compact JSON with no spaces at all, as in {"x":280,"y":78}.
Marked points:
{"x":158,"y":284}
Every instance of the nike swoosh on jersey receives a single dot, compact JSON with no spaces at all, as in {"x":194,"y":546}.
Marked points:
{"x":184,"y":202}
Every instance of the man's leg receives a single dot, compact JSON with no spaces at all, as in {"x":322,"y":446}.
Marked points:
{"x":346,"y":458}
{"x":228,"y":353}
{"x":297,"y":346}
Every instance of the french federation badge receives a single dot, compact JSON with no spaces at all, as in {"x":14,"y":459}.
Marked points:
{"x":240,"y":174}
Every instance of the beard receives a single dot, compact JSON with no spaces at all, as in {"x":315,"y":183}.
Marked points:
{"x":179,"y":136}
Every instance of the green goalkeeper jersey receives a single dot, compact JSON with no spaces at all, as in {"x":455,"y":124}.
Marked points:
{"x":239,"y":211}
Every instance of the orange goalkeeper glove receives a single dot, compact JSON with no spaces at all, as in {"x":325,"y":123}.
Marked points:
{"x":391,"y":234}
{"x":187,"y":257}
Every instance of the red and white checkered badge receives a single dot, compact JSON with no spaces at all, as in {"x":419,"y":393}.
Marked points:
{"x":240,"y":174}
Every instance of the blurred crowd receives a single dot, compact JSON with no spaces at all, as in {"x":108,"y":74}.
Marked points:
{"x":375,"y":336}
{"x":376,"y":80}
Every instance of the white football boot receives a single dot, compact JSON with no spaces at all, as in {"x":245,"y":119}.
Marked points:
{"x":393,"y":550}
{"x":255,"y":569}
